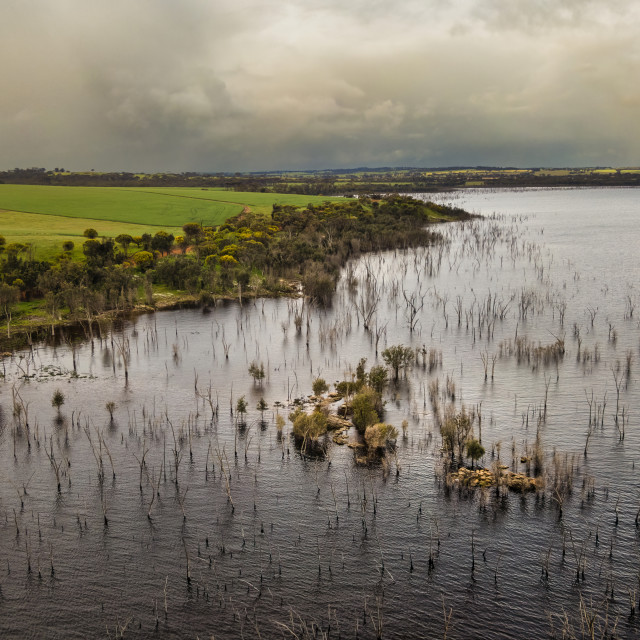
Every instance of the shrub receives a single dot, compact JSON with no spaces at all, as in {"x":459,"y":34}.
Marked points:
{"x":144,"y":259}
{"x":378,"y":378}
{"x":308,"y":426}
{"x":57,"y":399}
{"x":348,"y":387}
{"x":256,"y":372}
{"x":456,"y":430}
{"x":379,"y":436}
{"x":363,"y":407}
{"x":398,"y":357}
{"x":475,"y":450}
{"x":110,"y":407}
{"x":241,"y":408}
{"x":319,"y":387}
{"x":319,"y":285}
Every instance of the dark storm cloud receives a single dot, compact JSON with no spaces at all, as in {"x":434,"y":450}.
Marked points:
{"x":258,"y":84}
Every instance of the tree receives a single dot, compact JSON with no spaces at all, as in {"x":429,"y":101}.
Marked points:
{"x":475,"y":451}
{"x":68,"y":245}
{"x":379,"y":436}
{"x":319,"y":387}
{"x":456,"y":429}
{"x":363,"y":406}
{"x":110,"y":407}
{"x":378,"y":378}
{"x":256,"y":372}
{"x":99,"y":253}
{"x":9,"y":297}
{"x":308,"y":426}
{"x":183,"y":243}
{"x":262,"y":406}
{"x":162,"y":242}
{"x":241,"y":408}
{"x":57,"y":400}
{"x":143,"y":259}
{"x":192,"y":232}
{"x":397,"y":357}
{"x":13,"y":249}
{"x":124,"y":240}
{"x":90,"y":233}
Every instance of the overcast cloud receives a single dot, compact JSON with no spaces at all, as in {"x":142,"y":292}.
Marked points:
{"x":226,"y":85}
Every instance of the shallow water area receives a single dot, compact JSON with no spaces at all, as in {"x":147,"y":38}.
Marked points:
{"x":173,"y":518}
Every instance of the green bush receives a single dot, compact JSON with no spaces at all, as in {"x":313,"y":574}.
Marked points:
{"x":319,"y":387}
{"x":308,"y":426}
{"x":363,"y":408}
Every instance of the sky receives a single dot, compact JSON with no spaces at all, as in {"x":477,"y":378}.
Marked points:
{"x":253,"y":85}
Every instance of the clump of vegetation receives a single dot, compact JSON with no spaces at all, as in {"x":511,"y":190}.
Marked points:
{"x":319,"y":386}
{"x":57,"y":400}
{"x":475,"y":451}
{"x":378,"y":378}
{"x":262,"y":406}
{"x":456,"y":429}
{"x":366,"y":408}
{"x":398,"y":357}
{"x":110,"y":407}
{"x":357,"y":380}
{"x":256,"y":371}
{"x":9,"y":296}
{"x":241,"y":409}
{"x":379,"y":436}
{"x":308,"y":427}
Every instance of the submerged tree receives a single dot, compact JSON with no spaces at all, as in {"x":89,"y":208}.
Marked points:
{"x":256,"y":371}
{"x":365,"y":407}
{"x":241,"y":409}
{"x":262,"y":406}
{"x":110,"y":407}
{"x":456,"y":430}
{"x":378,"y":378}
{"x":475,"y":451}
{"x":57,"y":400}
{"x":319,"y":386}
{"x":9,"y":297}
{"x":397,"y":357}
{"x":308,"y":427}
{"x":379,"y":436}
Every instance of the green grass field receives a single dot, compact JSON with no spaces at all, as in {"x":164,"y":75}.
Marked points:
{"x":46,"y":233}
{"x":258,"y":202}
{"x":134,"y":206}
{"x":48,"y":216}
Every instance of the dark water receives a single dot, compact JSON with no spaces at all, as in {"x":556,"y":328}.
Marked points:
{"x":325,"y":546}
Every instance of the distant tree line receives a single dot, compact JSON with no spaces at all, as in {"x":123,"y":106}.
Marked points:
{"x":333,"y":182}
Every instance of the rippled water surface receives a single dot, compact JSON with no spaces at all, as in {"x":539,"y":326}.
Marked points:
{"x":270,"y":544}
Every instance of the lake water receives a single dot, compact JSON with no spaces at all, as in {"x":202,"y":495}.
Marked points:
{"x":279,"y":544}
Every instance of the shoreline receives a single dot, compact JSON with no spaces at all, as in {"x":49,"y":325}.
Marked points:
{"x":25,"y":336}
